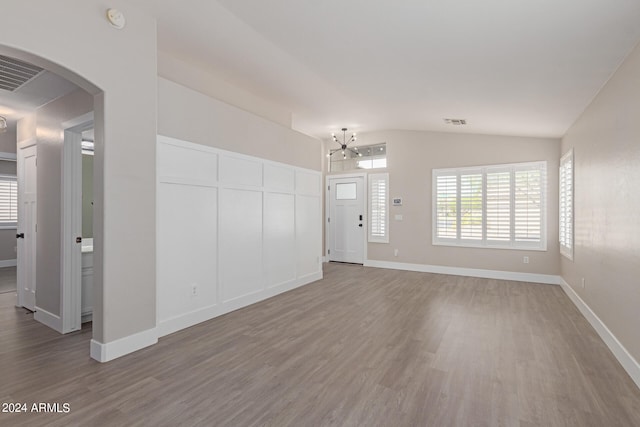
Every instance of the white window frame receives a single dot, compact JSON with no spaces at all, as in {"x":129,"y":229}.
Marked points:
{"x":11,"y":224}
{"x":483,"y":242}
{"x":566,"y":203}
{"x":374,"y":179}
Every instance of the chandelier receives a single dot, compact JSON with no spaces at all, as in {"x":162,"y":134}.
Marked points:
{"x":344,"y":144}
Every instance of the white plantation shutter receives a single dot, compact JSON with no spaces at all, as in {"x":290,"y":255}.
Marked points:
{"x":8,"y":201}
{"x":499,"y":206}
{"x":471,"y":206}
{"x":446,"y":217}
{"x":379,"y":208}
{"x":566,"y":205}
{"x":528,"y":206}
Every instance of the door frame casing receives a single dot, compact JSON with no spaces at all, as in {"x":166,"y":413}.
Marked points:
{"x":71,"y":227}
{"x":365,"y":223}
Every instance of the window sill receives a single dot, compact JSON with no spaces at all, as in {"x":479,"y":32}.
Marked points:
{"x":484,"y":246}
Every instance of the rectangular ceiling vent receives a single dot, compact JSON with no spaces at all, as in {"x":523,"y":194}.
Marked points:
{"x":455,"y":122}
{"x":15,"y":73}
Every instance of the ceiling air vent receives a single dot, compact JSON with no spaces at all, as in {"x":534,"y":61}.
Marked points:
{"x":455,"y":122}
{"x":14,"y":73}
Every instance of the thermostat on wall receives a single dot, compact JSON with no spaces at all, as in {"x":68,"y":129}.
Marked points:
{"x":397,"y":201}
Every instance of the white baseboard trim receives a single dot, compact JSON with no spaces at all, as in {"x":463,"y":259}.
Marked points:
{"x":627,"y":361}
{"x":104,"y":352}
{"x":48,"y":319}
{"x":183,"y":321}
{"x":8,"y":263}
{"x":86,"y":316}
{"x":548,"y":279}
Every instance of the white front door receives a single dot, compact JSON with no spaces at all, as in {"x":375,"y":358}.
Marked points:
{"x":346,"y":220}
{"x":26,"y":230}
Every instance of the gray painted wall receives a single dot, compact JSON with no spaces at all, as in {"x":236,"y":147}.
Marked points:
{"x":411,"y":156}
{"x":7,"y":167}
{"x":7,"y":244}
{"x":8,"y":139}
{"x":607,"y":177}
{"x":8,"y":237}
{"x":192,"y":116}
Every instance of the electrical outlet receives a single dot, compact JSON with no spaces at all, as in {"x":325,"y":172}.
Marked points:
{"x":525,"y":260}
{"x":395,"y":252}
{"x":194,"y":290}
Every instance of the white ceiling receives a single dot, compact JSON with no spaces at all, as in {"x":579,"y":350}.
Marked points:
{"x":513,"y":67}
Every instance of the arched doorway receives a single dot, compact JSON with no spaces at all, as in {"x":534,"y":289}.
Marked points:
{"x":65,"y":98}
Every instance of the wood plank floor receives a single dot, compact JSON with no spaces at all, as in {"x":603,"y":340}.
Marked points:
{"x":362,"y":347}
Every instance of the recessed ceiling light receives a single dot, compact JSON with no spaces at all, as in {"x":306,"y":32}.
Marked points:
{"x":455,"y":122}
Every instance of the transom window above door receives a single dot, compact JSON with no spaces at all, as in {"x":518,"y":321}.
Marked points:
{"x":358,"y":157}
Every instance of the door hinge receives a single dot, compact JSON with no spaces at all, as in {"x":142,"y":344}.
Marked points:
{"x":328,"y":219}
{"x":328,"y":251}
{"x":328,"y":188}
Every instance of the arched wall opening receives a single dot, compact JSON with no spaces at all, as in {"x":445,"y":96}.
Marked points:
{"x":73,"y":39}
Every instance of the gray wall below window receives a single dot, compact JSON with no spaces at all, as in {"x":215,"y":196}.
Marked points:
{"x":7,"y":243}
{"x":7,"y":167}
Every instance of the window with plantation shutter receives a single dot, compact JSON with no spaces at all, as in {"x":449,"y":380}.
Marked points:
{"x":498,"y":206}
{"x":379,"y":208}
{"x":566,"y":205}
{"x":8,"y":201}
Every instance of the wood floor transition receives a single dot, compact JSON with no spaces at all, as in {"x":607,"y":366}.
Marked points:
{"x":362,"y":347}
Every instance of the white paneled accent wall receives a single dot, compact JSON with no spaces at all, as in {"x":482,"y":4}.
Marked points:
{"x":232,"y":230}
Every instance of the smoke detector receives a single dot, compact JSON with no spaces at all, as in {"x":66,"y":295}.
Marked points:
{"x":455,"y":122}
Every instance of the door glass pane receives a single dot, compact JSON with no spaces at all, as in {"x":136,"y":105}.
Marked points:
{"x":346,"y":191}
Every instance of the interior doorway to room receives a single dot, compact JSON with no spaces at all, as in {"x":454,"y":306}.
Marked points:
{"x":346,"y":219}
{"x":32,"y":99}
{"x":77,"y":239}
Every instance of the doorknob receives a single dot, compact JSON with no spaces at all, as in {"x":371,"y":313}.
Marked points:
{"x":20,"y":236}
{"x":359,"y":225}
{"x":360,"y":217}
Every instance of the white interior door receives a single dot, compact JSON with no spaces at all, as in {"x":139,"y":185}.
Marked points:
{"x":346,"y":220}
{"x":26,"y":231}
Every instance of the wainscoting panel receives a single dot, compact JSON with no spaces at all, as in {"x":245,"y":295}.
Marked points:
{"x":187,"y":248}
{"x":243,"y":230}
{"x":240,"y":171}
{"x":240,"y":243}
{"x":279,"y":178}
{"x":279,"y":238}
{"x":308,"y":235}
